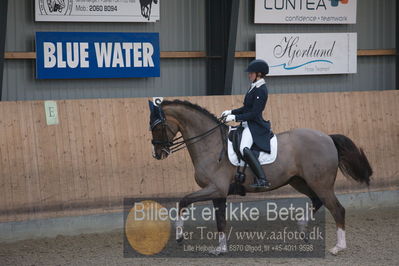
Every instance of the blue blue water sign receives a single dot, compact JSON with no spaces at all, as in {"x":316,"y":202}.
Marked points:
{"x":76,"y":55}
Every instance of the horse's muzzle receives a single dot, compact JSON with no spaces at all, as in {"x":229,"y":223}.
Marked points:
{"x":164,"y":153}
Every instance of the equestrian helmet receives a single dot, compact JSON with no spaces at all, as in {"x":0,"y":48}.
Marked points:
{"x":258,"y":66}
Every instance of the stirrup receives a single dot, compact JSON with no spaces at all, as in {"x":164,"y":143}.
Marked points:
{"x":261,"y":183}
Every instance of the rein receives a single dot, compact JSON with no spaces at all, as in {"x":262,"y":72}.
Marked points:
{"x":176,"y":145}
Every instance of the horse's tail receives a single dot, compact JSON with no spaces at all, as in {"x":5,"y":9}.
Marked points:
{"x":352,"y":160}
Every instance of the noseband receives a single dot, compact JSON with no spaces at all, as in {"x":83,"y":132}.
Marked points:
{"x":166,"y":145}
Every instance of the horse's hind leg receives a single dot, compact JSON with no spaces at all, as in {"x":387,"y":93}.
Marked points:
{"x":331,"y":202}
{"x":338,"y":212}
{"x":301,"y":186}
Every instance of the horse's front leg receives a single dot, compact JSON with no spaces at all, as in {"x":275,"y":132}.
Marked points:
{"x":149,"y":11}
{"x":220,"y":211}
{"x":210,"y":192}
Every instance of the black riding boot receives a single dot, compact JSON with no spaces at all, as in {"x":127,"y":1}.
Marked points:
{"x":253,"y":162}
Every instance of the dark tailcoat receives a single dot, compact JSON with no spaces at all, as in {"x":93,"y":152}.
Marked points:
{"x":254,"y":104}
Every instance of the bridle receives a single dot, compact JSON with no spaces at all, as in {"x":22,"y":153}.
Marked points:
{"x":177,"y":144}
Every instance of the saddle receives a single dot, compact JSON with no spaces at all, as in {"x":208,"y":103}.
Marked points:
{"x":233,"y":148}
{"x":235,"y":157}
{"x":235,"y":136}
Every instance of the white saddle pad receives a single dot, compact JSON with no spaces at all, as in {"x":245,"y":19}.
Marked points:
{"x":264,"y":158}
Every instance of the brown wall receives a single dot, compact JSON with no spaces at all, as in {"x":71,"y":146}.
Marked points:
{"x":101,"y":152}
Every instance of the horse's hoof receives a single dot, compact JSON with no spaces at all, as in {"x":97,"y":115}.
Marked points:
{"x":335,"y":250}
{"x":302,"y":226}
{"x":218,"y":251}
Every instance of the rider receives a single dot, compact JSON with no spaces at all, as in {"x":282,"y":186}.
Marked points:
{"x":256,"y":129}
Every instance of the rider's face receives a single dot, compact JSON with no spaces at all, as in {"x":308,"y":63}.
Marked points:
{"x":251,"y":76}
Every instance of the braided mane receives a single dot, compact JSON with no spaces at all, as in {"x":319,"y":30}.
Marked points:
{"x":192,"y":106}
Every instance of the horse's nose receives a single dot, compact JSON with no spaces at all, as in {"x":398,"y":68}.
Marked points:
{"x":155,"y":155}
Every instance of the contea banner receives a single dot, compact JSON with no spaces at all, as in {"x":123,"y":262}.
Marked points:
{"x":97,"y":10}
{"x":308,"y":53}
{"x":305,"y":11}
{"x":74,"y":55}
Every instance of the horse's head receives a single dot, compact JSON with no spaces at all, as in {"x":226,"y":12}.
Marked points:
{"x":162,"y":130}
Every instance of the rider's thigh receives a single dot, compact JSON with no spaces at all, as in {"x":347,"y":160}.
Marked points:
{"x":246,"y":141}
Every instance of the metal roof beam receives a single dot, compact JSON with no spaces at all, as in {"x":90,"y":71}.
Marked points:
{"x":221,"y":34}
{"x":3,"y":32}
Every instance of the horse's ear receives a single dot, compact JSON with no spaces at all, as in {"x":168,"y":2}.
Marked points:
{"x":157,"y":101}
{"x":151,"y":105}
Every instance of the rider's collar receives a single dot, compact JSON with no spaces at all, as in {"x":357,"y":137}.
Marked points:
{"x":257,"y":84}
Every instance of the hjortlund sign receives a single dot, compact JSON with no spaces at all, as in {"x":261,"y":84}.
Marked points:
{"x":305,"y":11}
{"x":97,"y":10}
{"x":308,"y":53}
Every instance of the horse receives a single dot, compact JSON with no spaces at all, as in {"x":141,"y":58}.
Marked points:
{"x":307,"y":159}
{"x":146,"y":6}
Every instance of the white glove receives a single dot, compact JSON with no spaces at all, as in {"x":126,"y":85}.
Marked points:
{"x":230,"y":118}
{"x":226,"y":113}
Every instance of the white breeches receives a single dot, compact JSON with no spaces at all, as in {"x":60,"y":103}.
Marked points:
{"x":246,"y":140}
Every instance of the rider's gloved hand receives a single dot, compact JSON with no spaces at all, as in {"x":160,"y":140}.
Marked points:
{"x":230,"y":118}
{"x":226,"y":113}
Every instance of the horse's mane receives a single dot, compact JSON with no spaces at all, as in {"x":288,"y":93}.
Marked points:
{"x":192,"y":106}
